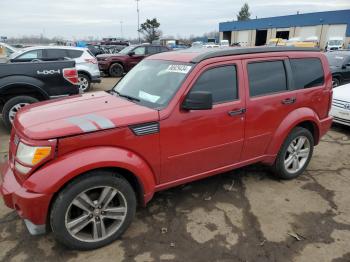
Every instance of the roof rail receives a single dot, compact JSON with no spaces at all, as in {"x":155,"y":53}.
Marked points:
{"x":250,"y":50}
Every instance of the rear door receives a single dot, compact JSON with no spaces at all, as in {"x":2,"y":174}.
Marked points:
{"x":270,"y":99}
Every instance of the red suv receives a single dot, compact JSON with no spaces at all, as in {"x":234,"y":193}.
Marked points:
{"x":117,"y":64}
{"x":79,"y":166}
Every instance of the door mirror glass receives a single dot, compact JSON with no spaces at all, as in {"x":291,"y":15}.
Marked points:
{"x":198,"y":100}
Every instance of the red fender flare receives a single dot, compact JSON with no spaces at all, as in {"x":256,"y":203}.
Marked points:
{"x":50,"y":178}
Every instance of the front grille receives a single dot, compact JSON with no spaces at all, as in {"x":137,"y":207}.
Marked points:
{"x":341,"y":120}
{"x":341,"y":104}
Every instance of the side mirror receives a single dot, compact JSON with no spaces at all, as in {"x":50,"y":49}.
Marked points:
{"x":131,"y":53}
{"x":198,"y":100}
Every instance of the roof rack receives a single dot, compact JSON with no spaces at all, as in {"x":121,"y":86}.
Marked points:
{"x":250,"y":50}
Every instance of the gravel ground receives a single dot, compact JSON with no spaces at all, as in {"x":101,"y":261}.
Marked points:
{"x":242,"y":215}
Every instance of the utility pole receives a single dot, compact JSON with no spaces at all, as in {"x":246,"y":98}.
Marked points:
{"x":121,"y":29}
{"x":138,"y":19}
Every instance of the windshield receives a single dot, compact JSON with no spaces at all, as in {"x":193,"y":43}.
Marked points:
{"x":153,"y":82}
{"x":126,"y":50}
{"x":335,"y":42}
{"x":337,"y":59}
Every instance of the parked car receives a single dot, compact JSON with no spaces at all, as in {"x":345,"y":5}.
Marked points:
{"x":79,"y":166}
{"x":339,"y":62}
{"x":117,"y":64}
{"x":335,"y":43}
{"x":341,"y":105}
{"x":85,"y":61}
{"x":5,"y":51}
{"x":26,"y":83}
{"x":276,"y":42}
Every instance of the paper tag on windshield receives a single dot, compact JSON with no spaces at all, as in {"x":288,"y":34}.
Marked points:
{"x":148,"y":97}
{"x":183,"y":69}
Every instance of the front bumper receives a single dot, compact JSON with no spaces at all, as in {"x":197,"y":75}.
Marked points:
{"x":32,"y":207}
{"x":103,"y":65}
{"x":340,"y":116}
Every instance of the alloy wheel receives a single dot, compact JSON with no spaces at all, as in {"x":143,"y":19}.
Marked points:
{"x":83,"y":83}
{"x":297,"y":154}
{"x":96,"y":214}
{"x":13,"y":111}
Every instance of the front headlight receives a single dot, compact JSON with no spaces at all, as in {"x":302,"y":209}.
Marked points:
{"x":32,"y":155}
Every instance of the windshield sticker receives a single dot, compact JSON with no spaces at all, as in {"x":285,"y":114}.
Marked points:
{"x":148,"y":97}
{"x":183,"y":69}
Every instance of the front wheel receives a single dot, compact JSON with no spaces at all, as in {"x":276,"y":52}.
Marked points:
{"x":93,"y":211}
{"x":295,"y":154}
{"x":116,"y":70}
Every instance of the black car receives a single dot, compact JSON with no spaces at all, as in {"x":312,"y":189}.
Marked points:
{"x":26,"y":83}
{"x":339,"y":62}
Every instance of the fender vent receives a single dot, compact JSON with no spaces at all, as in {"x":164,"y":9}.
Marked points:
{"x":145,"y":129}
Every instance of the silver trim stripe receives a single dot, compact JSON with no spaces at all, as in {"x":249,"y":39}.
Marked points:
{"x":91,"y":122}
{"x":145,"y":129}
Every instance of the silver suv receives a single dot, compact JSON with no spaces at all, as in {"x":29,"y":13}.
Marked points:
{"x":86,"y":62}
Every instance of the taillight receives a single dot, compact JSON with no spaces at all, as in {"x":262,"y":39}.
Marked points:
{"x":71,"y":75}
{"x":91,"y":61}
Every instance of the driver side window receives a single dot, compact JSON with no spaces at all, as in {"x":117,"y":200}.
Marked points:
{"x":221,"y":82}
{"x":140,"y":50}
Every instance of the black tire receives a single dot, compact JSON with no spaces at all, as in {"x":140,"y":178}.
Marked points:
{"x":84,"y":82}
{"x":279,"y":166}
{"x":336,"y":82}
{"x":68,"y":194}
{"x":116,"y":70}
{"x":8,"y":108}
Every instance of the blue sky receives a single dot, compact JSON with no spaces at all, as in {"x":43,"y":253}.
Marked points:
{"x":74,"y":19}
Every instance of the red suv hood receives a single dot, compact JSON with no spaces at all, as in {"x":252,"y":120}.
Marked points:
{"x":80,"y":114}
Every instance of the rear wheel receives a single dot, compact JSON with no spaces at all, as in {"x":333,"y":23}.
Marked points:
{"x":335,"y":82}
{"x":295,"y":154}
{"x":93,"y":211}
{"x":116,"y":70}
{"x":84,"y":82}
{"x":12,"y":106}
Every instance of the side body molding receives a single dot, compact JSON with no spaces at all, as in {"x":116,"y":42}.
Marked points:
{"x":293,"y":119}
{"x":50,"y":178}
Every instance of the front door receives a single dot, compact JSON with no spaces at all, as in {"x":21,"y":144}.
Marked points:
{"x":139,"y":54}
{"x":194,"y":143}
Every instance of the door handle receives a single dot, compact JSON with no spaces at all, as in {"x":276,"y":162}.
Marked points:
{"x":289,"y":101}
{"x":237,"y":112}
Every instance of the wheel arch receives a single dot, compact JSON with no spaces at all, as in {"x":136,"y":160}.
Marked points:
{"x":303,"y":117}
{"x":21,"y":89}
{"x":86,"y":73}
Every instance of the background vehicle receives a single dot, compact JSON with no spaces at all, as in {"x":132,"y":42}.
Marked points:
{"x":341,"y":105}
{"x":224,"y":43}
{"x":221,"y":109}
{"x":5,"y":51}
{"x":276,"y":42}
{"x":85,"y":61}
{"x":26,"y":83}
{"x":117,"y":64}
{"x":339,"y":62}
{"x":335,"y":43}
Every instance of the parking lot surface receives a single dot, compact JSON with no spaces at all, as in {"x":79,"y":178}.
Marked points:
{"x":242,"y":215}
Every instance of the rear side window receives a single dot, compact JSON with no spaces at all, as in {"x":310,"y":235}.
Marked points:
{"x":267,"y":78}
{"x":56,"y":53}
{"x":221,"y":82}
{"x":75,"y":53}
{"x":307,"y":72}
{"x":153,"y":50}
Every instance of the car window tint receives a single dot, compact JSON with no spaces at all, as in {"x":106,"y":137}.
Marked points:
{"x":74,"y":53}
{"x":307,"y":72}
{"x":56,"y":53}
{"x":266,"y":78}
{"x":153,"y":50}
{"x":140,"y":50}
{"x":221,"y":82}
{"x":34,"y":54}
